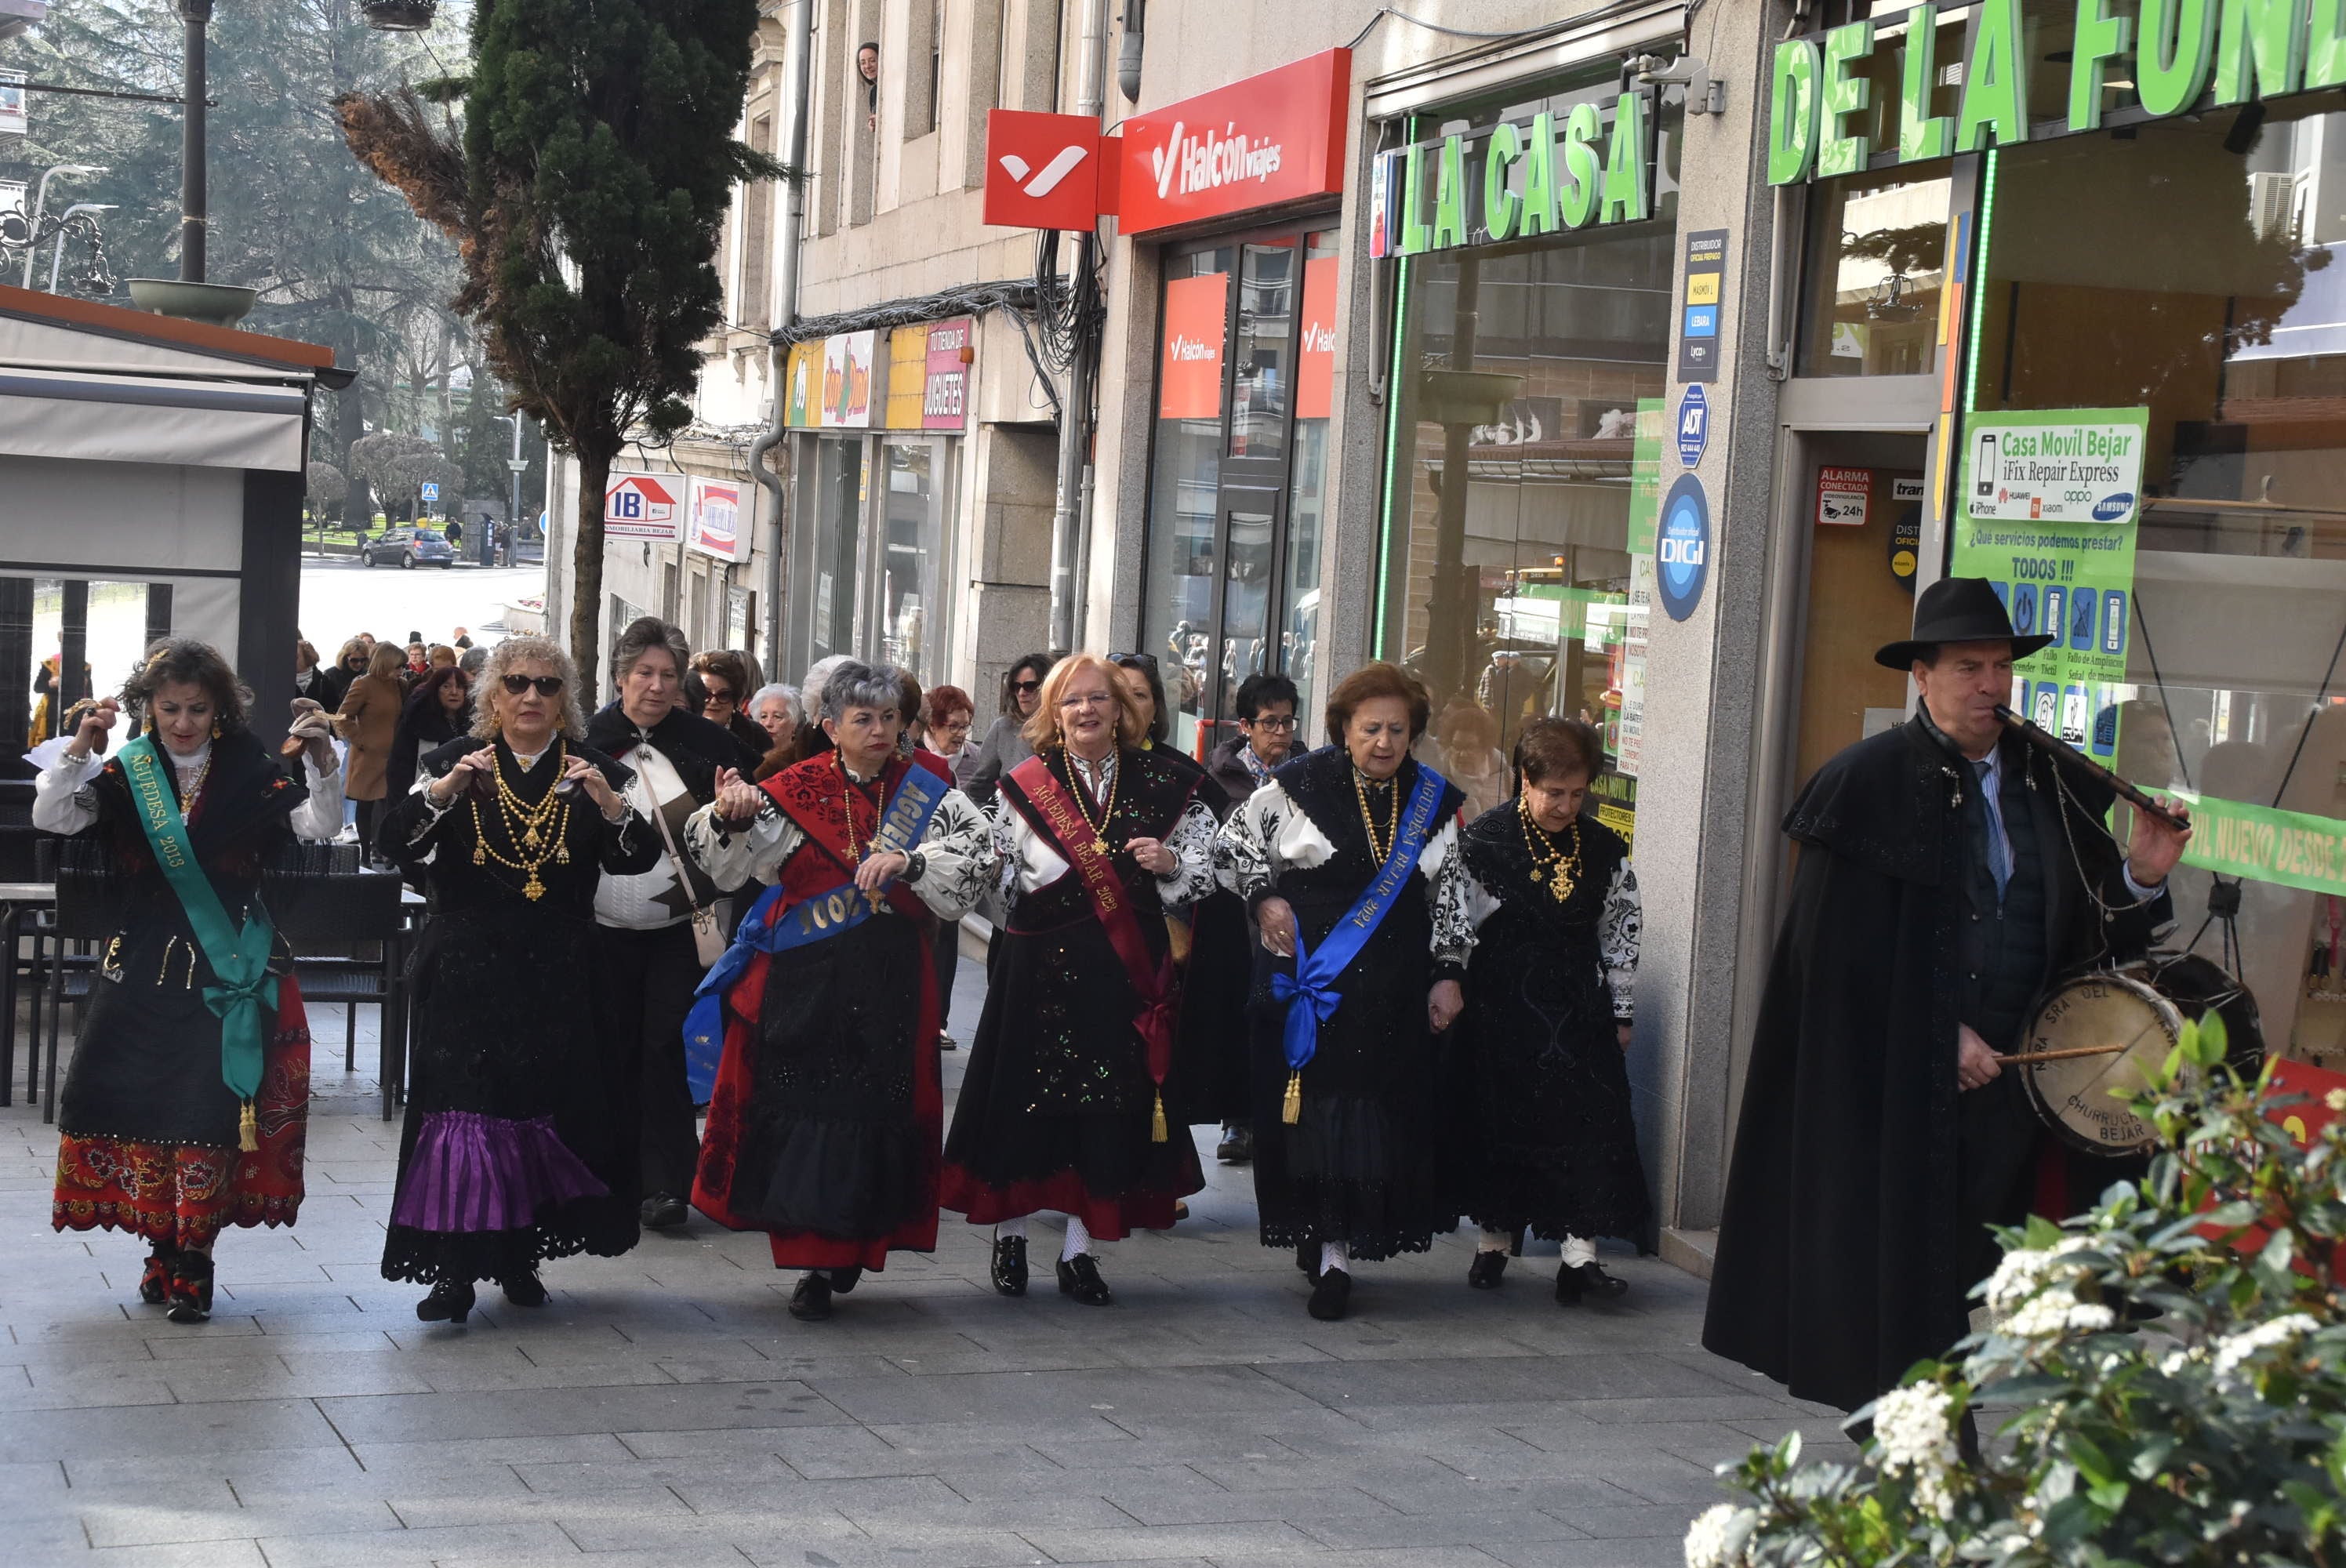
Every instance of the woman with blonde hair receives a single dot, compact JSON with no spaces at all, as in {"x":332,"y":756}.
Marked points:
{"x":1062,"y":1105}
{"x":521,"y":1137}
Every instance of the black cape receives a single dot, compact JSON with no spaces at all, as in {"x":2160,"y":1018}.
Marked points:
{"x":1840,"y":1254}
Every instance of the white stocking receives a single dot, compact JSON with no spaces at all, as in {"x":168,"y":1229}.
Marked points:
{"x":1010,"y":1228}
{"x":1493,"y":1241}
{"x":1335,"y":1255}
{"x":1577,"y":1251}
{"x":1078,"y":1242}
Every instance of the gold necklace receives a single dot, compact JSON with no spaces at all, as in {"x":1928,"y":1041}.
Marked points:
{"x":1560,"y":868}
{"x":537,"y":834}
{"x":848,"y":792}
{"x":195,"y":786}
{"x":1075,"y":788}
{"x":1378,"y":852}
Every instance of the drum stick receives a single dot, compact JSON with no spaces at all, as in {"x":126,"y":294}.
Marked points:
{"x":2065,"y":755}
{"x":2070,"y":1055}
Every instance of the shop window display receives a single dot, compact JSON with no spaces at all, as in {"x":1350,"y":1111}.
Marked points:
{"x":2188,"y":268}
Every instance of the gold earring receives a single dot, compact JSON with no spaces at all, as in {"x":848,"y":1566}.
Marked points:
{"x":215,"y":729}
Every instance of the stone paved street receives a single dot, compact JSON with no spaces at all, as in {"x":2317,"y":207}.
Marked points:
{"x":664,"y":1409}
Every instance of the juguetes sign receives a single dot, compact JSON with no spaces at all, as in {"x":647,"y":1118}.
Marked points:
{"x":2162,"y":57}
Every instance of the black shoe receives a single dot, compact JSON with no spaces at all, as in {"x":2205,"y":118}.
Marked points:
{"x":1009,"y":1270}
{"x":665,"y":1211}
{"x":843,"y":1280}
{"x":188,"y":1291}
{"x":1588,"y":1280}
{"x":1330,"y":1295}
{"x":810,"y":1302}
{"x":155,"y":1279}
{"x":1487,"y":1270}
{"x":1307,"y":1259}
{"x":1237,"y":1147}
{"x":451,"y":1301}
{"x":1079,"y":1276}
{"x":524,"y":1289}
{"x":947,"y":1042}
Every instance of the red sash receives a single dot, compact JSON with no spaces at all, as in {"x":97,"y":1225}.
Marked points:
{"x":1152,"y":979}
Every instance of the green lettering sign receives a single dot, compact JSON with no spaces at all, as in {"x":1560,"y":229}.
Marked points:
{"x":1625,"y":199}
{"x":1995,"y":79}
{"x":1415,"y":235}
{"x":2263,"y":38}
{"x":1450,"y":194}
{"x":1792,"y":112}
{"x":1839,"y":95}
{"x":1923,"y":133}
{"x":1576,"y":196}
{"x":2176,"y":44}
{"x":2325,"y":43}
{"x":2101,"y":37}
{"x":1499,"y":155}
{"x":1539,"y":177}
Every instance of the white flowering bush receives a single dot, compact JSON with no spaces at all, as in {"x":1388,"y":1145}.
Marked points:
{"x":2163,"y":1382}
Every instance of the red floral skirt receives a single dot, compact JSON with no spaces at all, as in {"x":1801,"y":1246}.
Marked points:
{"x":185,"y":1194}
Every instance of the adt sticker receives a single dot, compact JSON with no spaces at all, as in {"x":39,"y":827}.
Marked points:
{"x":1694,"y":425}
{"x":1682,"y":547}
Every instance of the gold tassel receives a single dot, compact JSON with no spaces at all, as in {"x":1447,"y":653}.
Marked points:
{"x":248,"y":1130}
{"x":1291,"y":1110}
{"x":1157,"y":1122}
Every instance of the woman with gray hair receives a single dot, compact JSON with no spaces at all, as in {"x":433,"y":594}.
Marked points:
{"x":520,"y":1141}
{"x":819,"y":1029}
{"x":774,"y":709}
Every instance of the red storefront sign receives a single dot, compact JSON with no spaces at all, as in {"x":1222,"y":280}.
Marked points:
{"x":1196,"y":321}
{"x":1315,"y":361}
{"x":944,"y":397}
{"x":1043,"y":171}
{"x":1269,"y":139}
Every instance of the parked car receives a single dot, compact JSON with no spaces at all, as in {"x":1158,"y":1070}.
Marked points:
{"x":409,"y":546}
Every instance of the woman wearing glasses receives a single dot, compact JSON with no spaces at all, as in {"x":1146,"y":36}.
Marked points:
{"x":1063,"y":1108}
{"x":724,"y":678}
{"x":520,"y":1134}
{"x":1005,"y":745}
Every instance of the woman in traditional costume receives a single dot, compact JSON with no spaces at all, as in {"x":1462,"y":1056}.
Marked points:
{"x":1063,"y":1106}
{"x":1348,"y":859}
{"x":521,"y":1137}
{"x":814,"y":1038}
{"x":1541,"y":1140}
{"x":187,"y":1100}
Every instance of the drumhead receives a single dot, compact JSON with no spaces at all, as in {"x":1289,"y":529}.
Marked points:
{"x":2083,"y":1100}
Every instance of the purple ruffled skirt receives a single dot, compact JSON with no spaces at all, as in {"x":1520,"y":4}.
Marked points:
{"x":472,"y":1173}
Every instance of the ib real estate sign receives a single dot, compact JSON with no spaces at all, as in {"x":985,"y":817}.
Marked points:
{"x":2048,"y":516}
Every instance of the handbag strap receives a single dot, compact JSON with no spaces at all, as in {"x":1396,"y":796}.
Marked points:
{"x":676,"y":858}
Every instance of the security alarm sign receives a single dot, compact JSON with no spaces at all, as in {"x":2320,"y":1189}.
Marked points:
{"x":1841,"y":496}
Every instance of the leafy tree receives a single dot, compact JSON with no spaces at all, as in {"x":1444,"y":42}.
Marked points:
{"x":585,"y":188}
{"x":327,"y":486}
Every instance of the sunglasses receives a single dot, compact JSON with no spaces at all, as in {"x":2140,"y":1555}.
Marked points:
{"x":1025,"y":686}
{"x":547,"y":685}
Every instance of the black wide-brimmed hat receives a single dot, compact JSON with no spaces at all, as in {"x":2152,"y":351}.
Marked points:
{"x":1957,"y":610}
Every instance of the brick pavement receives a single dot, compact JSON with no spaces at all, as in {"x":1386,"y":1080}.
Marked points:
{"x":664,"y":1409}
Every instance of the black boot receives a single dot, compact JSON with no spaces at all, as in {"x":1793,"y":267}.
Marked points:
{"x":1586,"y":1281}
{"x":155,"y":1279}
{"x":664,"y":1211}
{"x":1487,"y":1270}
{"x":1237,"y":1147}
{"x":1079,"y":1276}
{"x":843,"y":1280}
{"x":1330,"y":1295}
{"x":524,"y":1289}
{"x":1009,"y":1267}
{"x":451,"y":1301}
{"x":189,"y":1289}
{"x":810,"y":1302}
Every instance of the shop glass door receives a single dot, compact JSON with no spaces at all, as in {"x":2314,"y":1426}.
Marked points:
{"x":914,"y":618}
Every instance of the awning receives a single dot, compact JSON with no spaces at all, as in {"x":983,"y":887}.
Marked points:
{"x":100,"y":417}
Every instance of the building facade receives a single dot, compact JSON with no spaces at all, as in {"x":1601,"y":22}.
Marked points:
{"x":1630,"y":359}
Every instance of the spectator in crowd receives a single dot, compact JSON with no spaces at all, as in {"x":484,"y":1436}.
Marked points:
{"x":1004,"y":746}
{"x":724,"y":677}
{"x":368,"y":721}
{"x":775,"y":710}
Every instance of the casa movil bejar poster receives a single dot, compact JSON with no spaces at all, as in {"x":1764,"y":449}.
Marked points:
{"x":2050,"y":507}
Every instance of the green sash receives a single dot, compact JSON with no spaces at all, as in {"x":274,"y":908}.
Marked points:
{"x":239,"y":960}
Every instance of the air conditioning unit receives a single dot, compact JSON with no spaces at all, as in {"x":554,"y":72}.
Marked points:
{"x":2272,"y":199}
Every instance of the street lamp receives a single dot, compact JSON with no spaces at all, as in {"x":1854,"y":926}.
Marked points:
{"x":193,"y":193}
{"x":519,"y":467}
{"x":57,"y":257}
{"x":41,"y":203}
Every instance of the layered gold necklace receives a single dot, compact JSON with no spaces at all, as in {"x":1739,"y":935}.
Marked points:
{"x":1380,"y":851}
{"x":857,"y":848}
{"x":195,"y":785}
{"x":1075,"y":788}
{"x":535,"y":834}
{"x":1558,"y":867}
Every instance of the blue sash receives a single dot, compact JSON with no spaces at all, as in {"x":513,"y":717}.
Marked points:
{"x":770,"y":927}
{"x":242,"y":984}
{"x":1309,"y":992}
